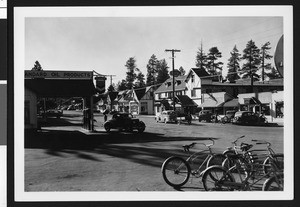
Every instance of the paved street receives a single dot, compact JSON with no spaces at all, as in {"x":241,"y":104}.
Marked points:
{"x":63,"y":157}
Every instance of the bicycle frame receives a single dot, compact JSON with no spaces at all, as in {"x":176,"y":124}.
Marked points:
{"x":245,"y":184}
{"x":197,"y":172}
{"x":196,"y":155}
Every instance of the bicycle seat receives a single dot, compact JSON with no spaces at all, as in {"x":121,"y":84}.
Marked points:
{"x":187,"y":147}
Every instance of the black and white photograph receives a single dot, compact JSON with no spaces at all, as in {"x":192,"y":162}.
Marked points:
{"x":154,"y":102}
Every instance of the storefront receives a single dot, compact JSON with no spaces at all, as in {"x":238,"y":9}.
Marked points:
{"x":58,"y":84}
{"x":268,"y":103}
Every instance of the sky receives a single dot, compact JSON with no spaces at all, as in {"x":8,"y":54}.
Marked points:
{"x":104,"y":44}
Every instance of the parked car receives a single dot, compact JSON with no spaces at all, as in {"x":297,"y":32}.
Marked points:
{"x":52,"y":113}
{"x":229,"y":115}
{"x":245,"y":118}
{"x":167,"y":116}
{"x":205,"y":115}
{"x":183,"y":117}
{"x":124,"y":121}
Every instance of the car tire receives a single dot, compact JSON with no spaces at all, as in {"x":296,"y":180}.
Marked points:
{"x":107,"y":127}
{"x":141,"y":127}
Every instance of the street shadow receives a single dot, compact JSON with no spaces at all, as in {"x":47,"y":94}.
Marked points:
{"x":58,"y":143}
{"x":52,"y":121}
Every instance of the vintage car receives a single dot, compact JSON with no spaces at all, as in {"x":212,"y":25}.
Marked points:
{"x":245,"y":118}
{"x":228,"y":118}
{"x":205,"y":115}
{"x":167,"y":116}
{"x":52,"y":113}
{"x":124,"y":121}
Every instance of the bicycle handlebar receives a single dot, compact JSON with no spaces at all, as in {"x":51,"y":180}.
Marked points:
{"x":234,"y":142}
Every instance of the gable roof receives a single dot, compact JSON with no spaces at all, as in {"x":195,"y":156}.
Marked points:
{"x":140,"y":92}
{"x":167,"y":86}
{"x":201,"y":73}
{"x":113,"y":95}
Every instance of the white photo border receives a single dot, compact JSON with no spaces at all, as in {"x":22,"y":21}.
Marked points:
{"x":20,"y":13}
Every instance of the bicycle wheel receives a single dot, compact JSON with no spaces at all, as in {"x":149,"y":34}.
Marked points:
{"x":216,"y":159}
{"x":176,"y":171}
{"x":214,"y":177}
{"x":227,"y":162}
{"x":277,"y":159}
{"x":274,"y":183}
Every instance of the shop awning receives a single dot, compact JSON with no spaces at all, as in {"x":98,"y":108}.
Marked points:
{"x":232,"y":103}
{"x":184,"y":100}
{"x":211,"y":104}
{"x":252,"y":100}
{"x":61,"y":88}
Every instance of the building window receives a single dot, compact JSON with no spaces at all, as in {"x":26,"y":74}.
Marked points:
{"x":179,"y":93}
{"x":193,"y":78}
{"x":193,"y":92}
{"x":159,"y":96}
{"x":166,"y":95}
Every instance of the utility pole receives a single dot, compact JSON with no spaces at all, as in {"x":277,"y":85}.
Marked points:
{"x":173,"y":51}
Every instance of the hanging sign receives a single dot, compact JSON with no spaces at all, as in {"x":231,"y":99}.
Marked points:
{"x":30,"y":74}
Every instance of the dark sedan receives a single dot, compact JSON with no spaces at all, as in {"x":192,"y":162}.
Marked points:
{"x":124,"y":121}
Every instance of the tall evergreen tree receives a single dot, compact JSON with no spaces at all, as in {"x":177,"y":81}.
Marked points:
{"x":273,"y":74}
{"x":265,"y":56}
{"x":214,"y":67}
{"x":111,"y":88}
{"x":162,"y":71}
{"x":181,"y":70}
{"x":121,"y":85}
{"x":140,"y":80}
{"x":252,"y":57}
{"x":37,"y":66}
{"x":130,"y":74}
{"x":201,"y":58}
{"x":152,"y":70}
{"x":233,"y":65}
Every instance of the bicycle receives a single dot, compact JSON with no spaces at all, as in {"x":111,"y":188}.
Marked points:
{"x":235,"y":149}
{"x":218,"y":178}
{"x":244,"y":148}
{"x":176,"y":171}
{"x":278,"y":158}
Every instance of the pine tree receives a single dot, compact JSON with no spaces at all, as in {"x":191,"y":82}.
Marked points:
{"x":37,"y":66}
{"x":252,"y":58}
{"x":273,"y":74}
{"x":111,"y":88}
{"x":140,"y":80}
{"x":233,"y":65}
{"x":213,"y":66}
{"x":152,"y":70}
{"x":265,"y":55}
{"x":130,"y":74}
{"x":162,"y":71}
{"x":121,"y":85}
{"x":201,"y":59}
{"x":181,"y":70}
